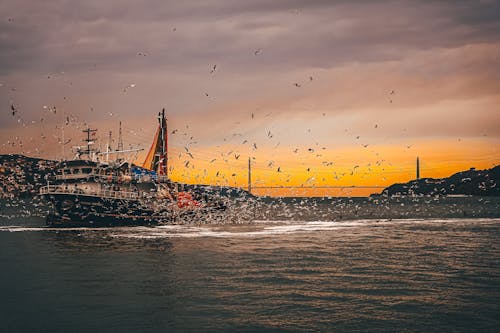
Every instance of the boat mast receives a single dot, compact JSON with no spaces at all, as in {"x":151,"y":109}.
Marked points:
{"x":90,"y":132}
{"x":157,"y":157}
{"x":163,"y":160}
{"x":120,"y":141}
{"x":108,"y":147}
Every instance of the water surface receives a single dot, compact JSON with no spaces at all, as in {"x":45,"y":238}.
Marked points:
{"x":408,"y":275}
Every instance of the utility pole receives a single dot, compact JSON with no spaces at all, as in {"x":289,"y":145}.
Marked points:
{"x":249,"y":175}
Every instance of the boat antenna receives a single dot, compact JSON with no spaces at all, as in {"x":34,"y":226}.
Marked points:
{"x":120,"y":138}
{"x":89,"y":140}
{"x":108,"y":148}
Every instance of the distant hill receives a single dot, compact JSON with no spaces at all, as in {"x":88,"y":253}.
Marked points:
{"x":22,"y":176}
{"x":470,"y":182}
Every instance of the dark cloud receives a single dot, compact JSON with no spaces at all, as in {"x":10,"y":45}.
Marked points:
{"x":75,"y":35}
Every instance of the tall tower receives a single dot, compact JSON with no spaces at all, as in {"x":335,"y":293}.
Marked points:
{"x":249,"y":175}
{"x":418,"y":168}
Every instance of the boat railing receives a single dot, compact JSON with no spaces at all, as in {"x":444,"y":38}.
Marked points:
{"x":58,"y":189}
{"x":113,"y":178}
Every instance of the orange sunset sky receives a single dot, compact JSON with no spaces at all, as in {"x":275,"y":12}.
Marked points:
{"x":316,"y":93}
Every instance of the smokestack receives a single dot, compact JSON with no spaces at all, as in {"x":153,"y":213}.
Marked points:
{"x":418,"y":168}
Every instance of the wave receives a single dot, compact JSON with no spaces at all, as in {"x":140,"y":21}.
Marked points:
{"x":259,"y":228}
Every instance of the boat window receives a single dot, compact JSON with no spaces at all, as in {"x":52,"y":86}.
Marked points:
{"x":67,"y":171}
{"x":86,"y":170}
{"x":59,"y":172}
{"x":76,"y":171}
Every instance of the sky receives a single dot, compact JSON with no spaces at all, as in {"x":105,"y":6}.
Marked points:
{"x":315,"y":93}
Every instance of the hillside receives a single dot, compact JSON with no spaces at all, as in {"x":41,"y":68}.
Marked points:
{"x":22,"y":176}
{"x":470,"y":182}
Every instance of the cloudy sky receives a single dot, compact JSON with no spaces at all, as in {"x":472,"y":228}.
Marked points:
{"x":330,"y":92}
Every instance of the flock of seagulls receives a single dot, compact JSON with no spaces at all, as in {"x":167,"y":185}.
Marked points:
{"x":188,"y":163}
{"x":14,"y":111}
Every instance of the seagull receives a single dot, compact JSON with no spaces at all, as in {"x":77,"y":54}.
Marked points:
{"x":132,"y":85}
{"x":297,"y":85}
{"x":13,"y":110}
{"x":257,"y":52}
{"x":213,"y":69}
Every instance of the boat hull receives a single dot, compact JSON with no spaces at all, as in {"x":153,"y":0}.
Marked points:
{"x":77,"y":210}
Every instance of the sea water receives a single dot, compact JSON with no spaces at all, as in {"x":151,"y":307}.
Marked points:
{"x":366,"y":275}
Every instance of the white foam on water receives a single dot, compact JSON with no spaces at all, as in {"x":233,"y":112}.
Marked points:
{"x":283,"y":227}
{"x":262,"y":228}
{"x":17,"y":228}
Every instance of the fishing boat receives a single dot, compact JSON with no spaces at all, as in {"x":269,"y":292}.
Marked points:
{"x":92,"y":191}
